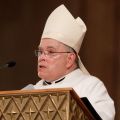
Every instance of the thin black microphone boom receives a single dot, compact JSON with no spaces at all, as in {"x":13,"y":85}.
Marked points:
{"x":8,"y":64}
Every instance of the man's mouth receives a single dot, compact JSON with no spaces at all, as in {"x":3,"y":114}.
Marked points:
{"x":41,"y":66}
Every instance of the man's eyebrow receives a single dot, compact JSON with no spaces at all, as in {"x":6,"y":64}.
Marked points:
{"x":48,"y":47}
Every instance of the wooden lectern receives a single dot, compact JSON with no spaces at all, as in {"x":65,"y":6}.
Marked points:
{"x":48,"y":104}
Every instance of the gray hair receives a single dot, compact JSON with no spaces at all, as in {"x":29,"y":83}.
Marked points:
{"x":70,"y":49}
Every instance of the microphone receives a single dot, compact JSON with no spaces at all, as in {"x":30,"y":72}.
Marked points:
{"x":8,"y":64}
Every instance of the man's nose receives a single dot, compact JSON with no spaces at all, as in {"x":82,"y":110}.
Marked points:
{"x":42,"y":56}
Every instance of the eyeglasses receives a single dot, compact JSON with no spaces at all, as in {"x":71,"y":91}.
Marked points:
{"x":47,"y":53}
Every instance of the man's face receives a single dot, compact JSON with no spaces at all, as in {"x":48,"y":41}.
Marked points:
{"x":52,"y":66}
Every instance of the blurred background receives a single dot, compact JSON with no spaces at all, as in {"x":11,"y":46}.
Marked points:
{"x":21,"y":25}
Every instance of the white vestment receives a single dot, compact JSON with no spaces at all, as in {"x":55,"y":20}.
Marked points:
{"x":86,"y":86}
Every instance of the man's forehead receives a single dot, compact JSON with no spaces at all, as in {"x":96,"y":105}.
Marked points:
{"x":50,"y":43}
{"x":49,"y":40}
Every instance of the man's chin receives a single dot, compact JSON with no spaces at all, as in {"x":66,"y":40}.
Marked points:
{"x":42,"y":76}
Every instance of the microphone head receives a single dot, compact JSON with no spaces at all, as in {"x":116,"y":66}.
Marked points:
{"x":11,"y":64}
{"x":8,"y":64}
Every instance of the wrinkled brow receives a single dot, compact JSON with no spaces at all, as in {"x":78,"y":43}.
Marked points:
{"x":48,"y":47}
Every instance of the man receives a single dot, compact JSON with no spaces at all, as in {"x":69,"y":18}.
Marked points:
{"x":59,"y":64}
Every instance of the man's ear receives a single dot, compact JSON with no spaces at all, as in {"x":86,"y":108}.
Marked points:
{"x":70,"y":60}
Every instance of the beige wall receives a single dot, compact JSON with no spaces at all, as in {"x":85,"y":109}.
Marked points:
{"x":21,"y":24}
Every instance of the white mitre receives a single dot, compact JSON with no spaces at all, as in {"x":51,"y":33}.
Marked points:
{"x":63,"y":27}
